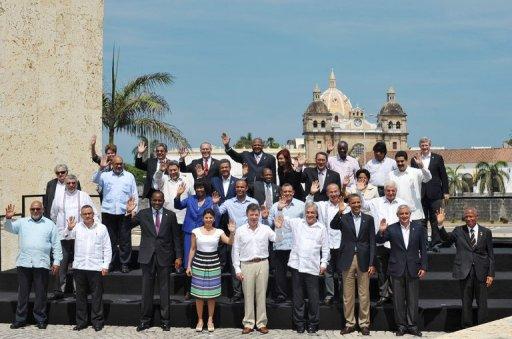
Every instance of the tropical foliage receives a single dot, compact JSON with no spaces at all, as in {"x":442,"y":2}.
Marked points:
{"x":139,"y":175}
{"x":271,"y":143}
{"x":244,"y":141}
{"x":456,"y":182}
{"x":137,"y":109}
{"x":491,"y":177}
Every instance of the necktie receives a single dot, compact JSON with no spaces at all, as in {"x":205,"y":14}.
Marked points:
{"x":257,"y":158}
{"x":157,"y":222}
{"x":472,"y":240}
{"x":268,"y":195}
{"x":321,"y":180}
{"x":205,"y":167}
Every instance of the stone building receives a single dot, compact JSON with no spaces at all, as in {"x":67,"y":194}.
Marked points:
{"x":331,"y":118}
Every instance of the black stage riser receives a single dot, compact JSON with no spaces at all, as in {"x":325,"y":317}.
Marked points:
{"x":230,"y":315}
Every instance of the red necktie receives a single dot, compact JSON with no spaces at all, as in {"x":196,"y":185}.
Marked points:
{"x":157,"y":222}
{"x":205,"y":167}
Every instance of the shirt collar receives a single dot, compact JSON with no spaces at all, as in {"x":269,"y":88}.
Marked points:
{"x":426,"y":156}
{"x":321,"y":171}
{"x":356,"y":216}
{"x":159,"y":211}
{"x":94,"y":225}
{"x":228,"y":178}
{"x":404,"y":228}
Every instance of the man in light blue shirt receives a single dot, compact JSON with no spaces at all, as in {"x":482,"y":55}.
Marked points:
{"x":37,"y":238}
{"x":117,"y":187}
{"x":237,"y":210}
{"x":290,"y":208}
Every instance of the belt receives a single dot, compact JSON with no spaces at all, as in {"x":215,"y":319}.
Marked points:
{"x":255,"y":260}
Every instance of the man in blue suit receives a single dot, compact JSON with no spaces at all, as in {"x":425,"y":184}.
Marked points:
{"x":407,"y":264}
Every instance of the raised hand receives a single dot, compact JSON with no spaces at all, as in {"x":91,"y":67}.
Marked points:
{"x":9,"y":211}
{"x":104,"y":162}
{"x":315,"y":187}
{"x":163,"y":166}
{"x":361,"y":185}
{"x":301,"y":160}
{"x":330,"y":146}
{"x":441,"y":216}
{"x":245,"y":169}
{"x":279,"y":221}
{"x":130,"y":205}
{"x":346,"y":180}
{"x":141,"y":148}
{"x":281,"y":204}
{"x":231,"y":226}
{"x":181,"y":189}
{"x":199,"y":171}
{"x":417,"y":160}
{"x":215,"y":197}
{"x":183,"y":152}
{"x":71,"y":223}
{"x":264,"y":212}
{"x":341,"y":206}
{"x":225,"y":139}
{"x":383,"y":225}
{"x":93,"y":140}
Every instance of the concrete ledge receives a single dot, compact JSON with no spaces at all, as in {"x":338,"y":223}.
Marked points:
{"x":501,"y":328}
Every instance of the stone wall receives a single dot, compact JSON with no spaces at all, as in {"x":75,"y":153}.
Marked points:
{"x":489,"y":208}
{"x":51,"y":59}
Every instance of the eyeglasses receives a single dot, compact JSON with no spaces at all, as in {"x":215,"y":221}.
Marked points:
{"x":71,"y":183}
{"x":36,"y":209}
{"x":61,"y":172}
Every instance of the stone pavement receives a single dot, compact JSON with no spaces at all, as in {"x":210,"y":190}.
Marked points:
{"x":497,"y":329}
{"x":65,"y":331}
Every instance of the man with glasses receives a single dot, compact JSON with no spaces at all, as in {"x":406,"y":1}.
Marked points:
{"x":55,"y":188}
{"x":62,"y":209}
{"x":38,"y":237}
{"x":380,"y":166}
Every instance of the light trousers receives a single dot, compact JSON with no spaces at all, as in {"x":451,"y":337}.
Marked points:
{"x":254,"y":287}
{"x":352,"y":277}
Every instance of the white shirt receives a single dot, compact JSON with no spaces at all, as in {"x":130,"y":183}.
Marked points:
{"x":426,"y":159}
{"x":349,"y":166}
{"x":59,"y":191}
{"x":408,"y":185}
{"x":93,"y":251}
{"x":69,"y":205}
{"x":405,"y":233}
{"x":169,"y":187}
{"x":207,"y":242}
{"x":309,"y":241}
{"x":225,"y":184}
{"x":476,"y":232}
{"x":326,"y":212}
{"x":379,"y":170}
{"x":251,"y":244}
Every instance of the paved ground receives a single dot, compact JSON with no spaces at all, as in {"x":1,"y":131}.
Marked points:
{"x":65,"y":331}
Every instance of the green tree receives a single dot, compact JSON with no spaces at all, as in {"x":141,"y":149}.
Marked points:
{"x":137,"y":109}
{"x":271,"y":143}
{"x":491,"y":177}
{"x":244,"y":141}
{"x":456,"y":182}
{"x":139,"y":175}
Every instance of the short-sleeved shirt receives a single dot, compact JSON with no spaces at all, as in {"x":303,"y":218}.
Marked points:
{"x":207,"y":242}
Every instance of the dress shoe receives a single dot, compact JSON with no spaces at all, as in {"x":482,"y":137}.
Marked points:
{"x":312,"y":329}
{"x":79,"y":327}
{"x":247,"y":330}
{"x":415,"y":332}
{"x":400,"y":332}
{"x":365,"y":331}
{"x":301,"y":329}
{"x":16,"y":325}
{"x":166,"y":327}
{"x":199,"y":326}
{"x":57,"y":295}
{"x":347,"y":330}
{"x":125,"y":269}
{"x":328,"y":301}
{"x":98,"y":328}
{"x":263,"y":330}
{"x":382,"y":301}
{"x":142,"y":327}
{"x":211,"y":327}
{"x":42,"y":326}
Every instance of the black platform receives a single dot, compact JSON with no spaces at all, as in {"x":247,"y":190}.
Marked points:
{"x":439,"y":300}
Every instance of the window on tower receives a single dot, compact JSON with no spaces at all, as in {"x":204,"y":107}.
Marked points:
{"x":322,"y":124}
{"x":394,"y":145}
{"x":336,"y":118}
{"x":398,"y":125}
{"x":390,"y":125}
{"x":315,"y":124}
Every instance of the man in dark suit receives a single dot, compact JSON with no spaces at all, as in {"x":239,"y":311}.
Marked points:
{"x":58,"y":186}
{"x":434,"y":191}
{"x":322,"y":174}
{"x":355,"y":261}
{"x":407,"y":264}
{"x":151,"y":165}
{"x":473,"y":265}
{"x":256,"y":160}
{"x":160,"y":242}
{"x":210,"y":166}
{"x":266,"y":192}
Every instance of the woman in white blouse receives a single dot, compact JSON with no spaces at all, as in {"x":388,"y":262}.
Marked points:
{"x":370,"y":192}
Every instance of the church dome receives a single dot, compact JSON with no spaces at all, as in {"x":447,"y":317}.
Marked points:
{"x":334,"y":99}
{"x":391,"y":107}
{"x":317,"y":107}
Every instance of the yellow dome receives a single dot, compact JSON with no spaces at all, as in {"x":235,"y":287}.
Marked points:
{"x":335,"y":100}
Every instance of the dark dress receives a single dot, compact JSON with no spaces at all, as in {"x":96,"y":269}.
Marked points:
{"x":293,"y":178}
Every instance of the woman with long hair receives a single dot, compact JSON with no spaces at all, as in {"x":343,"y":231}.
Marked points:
{"x":288,"y":175}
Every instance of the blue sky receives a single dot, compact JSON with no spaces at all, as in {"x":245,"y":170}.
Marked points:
{"x":250,"y":66}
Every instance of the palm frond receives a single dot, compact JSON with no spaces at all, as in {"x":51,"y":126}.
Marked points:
{"x":146,"y":83}
{"x":157,"y":129}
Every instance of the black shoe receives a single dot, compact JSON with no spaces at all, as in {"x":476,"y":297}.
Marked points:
{"x":312,"y":329}
{"x":143,"y":326}
{"x":365,"y":331}
{"x":415,"y":332}
{"x":328,"y":301}
{"x":79,"y":327}
{"x":301,"y":329}
{"x":42,"y":326}
{"x":166,"y":327}
{"x":57,"y":295}
{"x":98,"y":328}
{"x":125,"y":269}
{"x":400,"y":332}
{"x":15,"y":325}
{"x":348,"y":330}
{"x":382,"y":301}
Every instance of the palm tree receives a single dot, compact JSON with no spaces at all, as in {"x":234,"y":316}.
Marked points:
{"x":244,"y":141}
{"x":137,"y":109}
{"x":456,"y":182}
{"x":491,"y":177}
{"x":271,"y":143}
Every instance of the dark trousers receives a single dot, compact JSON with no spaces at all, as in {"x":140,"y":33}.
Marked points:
{"x":405,"y":301}
{"x":68,"y":249}
{"x":26,"y":278}
{"x":330,"y":289}
{"x":237,"y":284}
{"x":89,"y":281}
{"x":310,"y":282}
{"x":149,"y":272}
{"x":280,"y":263}
{"x":471,"y":288}
{"x":380,"y":189}
{"x":120,"y":238}
{"x":382,"y":254}
{"x":430,"y":208}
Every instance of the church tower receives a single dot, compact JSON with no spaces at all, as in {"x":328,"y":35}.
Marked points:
{"x":393,"y":121}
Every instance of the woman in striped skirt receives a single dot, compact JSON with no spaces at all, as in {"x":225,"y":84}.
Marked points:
{"x":204,"y":265}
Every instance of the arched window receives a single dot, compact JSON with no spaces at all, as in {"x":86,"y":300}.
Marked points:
{"x":357,"y":150}
{"x":315,"y":124}
{"x":398,"y":125}
{"x":322,"y":124}
{"x":394,"y":145}
{"x":336,"y":118}
{"x":390,"y":125}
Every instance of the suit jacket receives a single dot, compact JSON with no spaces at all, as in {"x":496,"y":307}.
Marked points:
{"x":257,"y":191}
{"x":49,"y":195}
{"x":405,"y":260}
{"x":218,"y":187}
{"x":194,"y":215}
{"x":310,"y":174}
{"x":364,"y":241}
{"x":150,"y":166}
{"x":255,"y":169}
{"x":481,"y":257}
{"x":436,"y":187}
{"x":166,"y":245}
{"x":213,"y":171}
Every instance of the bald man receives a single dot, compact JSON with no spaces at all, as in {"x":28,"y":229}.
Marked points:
{"x":117,"y":186}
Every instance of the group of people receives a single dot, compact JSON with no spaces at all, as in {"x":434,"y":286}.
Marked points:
{"x":333,"y":219}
